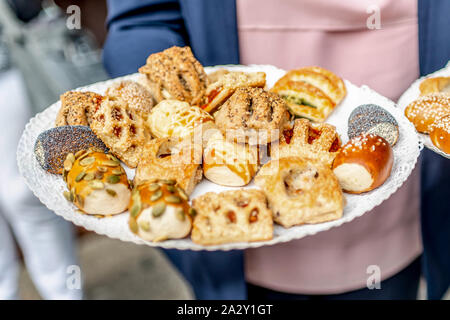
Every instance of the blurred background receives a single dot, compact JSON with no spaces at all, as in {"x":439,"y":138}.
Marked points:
{"x":52,"y":58}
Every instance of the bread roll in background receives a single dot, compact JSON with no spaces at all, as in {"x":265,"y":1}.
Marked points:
{"x":363,"y":164}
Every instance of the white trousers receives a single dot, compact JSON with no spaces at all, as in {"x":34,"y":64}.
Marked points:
{"x":46,"y":240}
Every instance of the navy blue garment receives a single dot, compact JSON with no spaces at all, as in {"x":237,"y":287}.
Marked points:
{"x":434,"y":45}
{"x":140,"y":27}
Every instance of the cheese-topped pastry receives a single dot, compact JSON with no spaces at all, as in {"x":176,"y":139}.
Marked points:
{"x":97,"y":183}
{"x":174,"y":118}
{"x":159,"y":210}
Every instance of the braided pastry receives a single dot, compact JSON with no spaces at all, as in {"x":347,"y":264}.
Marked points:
{"x":424,"y":111}
{"x":175,"y":74}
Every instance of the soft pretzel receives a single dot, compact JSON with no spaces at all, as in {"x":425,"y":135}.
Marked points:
{"x":364,"y":163}
{"x":252,"y":115}
{"x":232,"y":216}
{"x":424,"y":111}
{"x":171,"y":158}
{"x":440,"y":134}
{"x":121,"y":128}
{"x":311,"y":92}
{"x":77,"y":108}
{"x":435,"y":85}
{"x":301,"y":191}
{"x":318,"y":142}
{"x":159,"y":210}
{"x":227,"y":83}
{"x":175,"y":74}
{"x":97,"y":183}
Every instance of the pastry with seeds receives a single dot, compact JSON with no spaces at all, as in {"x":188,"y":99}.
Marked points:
{"x":171,"y":158}
{"x":96,"y":182}
{"x":159,"y":210}
{"x":424,"y":111}
{"x":440,"y":134}
{"x":135,"y":95}
{"x":77,"y":108}
{"x":175,"y":74}
{"x":301,"y":191}
{"x":121,"y":128}
{"x":253,"y":116}
{"x":317,"y":142}
{"x":53,"y":145}
{"x":372,"y":119}
{"x":232,"y":216}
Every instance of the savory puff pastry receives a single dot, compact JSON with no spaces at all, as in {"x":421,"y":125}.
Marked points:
{"x":121,"y":128}
{"x":232,"y":216}
{"x":319,"y":142}
{"x":311,"y":92}
{"x":301,"y":191}
{"x":174,"y":118}
{"x":229,"y":163}
{"x":226,"y":84}
{"x":435,"y":85}
{"x":175,"y":74}
{"x":77,"y":108}
{"x":252,"y":115}
{"x":171,"y":158}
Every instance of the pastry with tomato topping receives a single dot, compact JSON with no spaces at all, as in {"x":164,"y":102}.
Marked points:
{"x":319,"y":142}
{"x":225,"y":83}
{"x":232,"y":216}
{"x":159,"y":210}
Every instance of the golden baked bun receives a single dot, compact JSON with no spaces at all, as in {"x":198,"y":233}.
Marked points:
{"x":173,"y":118}
{"x":226,"y":84}
{"x":301,"y":191}
{"x":175,"y":74}
{"x":435,"y":85}
{"x":364,"y":163}
{"x":97,"y":183}
{"x":136,"y":96}
{"x":440,"y":134}
{"x":77,"y":108}
{"x":424,"y":111}
{"x":319,"y":142}
{"x":311,"y":92}
{"x":121,"y":128}
{"x":229,"y":163}
{"x":159,"y":210}
{"x":171,"y":159}
{"x":231,"y":216}
{"x":252,"y":115}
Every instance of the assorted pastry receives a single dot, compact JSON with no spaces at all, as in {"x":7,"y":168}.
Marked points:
{"x":176,"y":125}
{"x":429,"y":112}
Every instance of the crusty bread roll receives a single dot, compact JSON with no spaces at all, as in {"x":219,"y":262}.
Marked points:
{"x":229,"y":163}
{"x":97,"y":182}
{"x":363,"y":164}
{"x":440,"y":134}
